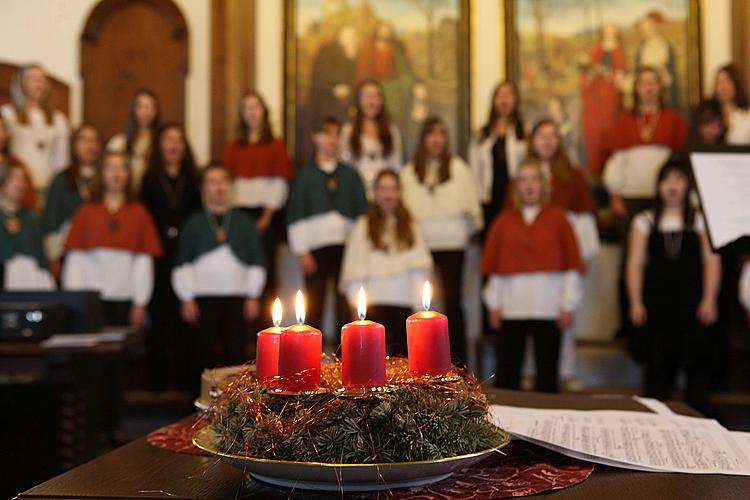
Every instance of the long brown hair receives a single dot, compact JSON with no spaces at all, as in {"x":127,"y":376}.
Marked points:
{"x":156,"y":163}
{"x":376,"y":219}
{"x":421,"y":157}
{"x":493,"y":116}
{"x":559,"y":164}
{"x":243,"y":129}
{"x":383,"y":121}
{"x":97,"y":183}
{"x":74,"y":166}
{"x":5,"y":148}
{"x":131,"y":127}
{"x":19,"y":98}
{"x":637,"y":100}
{"x":740,"y":94}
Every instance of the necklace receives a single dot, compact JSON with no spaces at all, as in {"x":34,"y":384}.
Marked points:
{"x":645,"y":129}
{"x":673,"y":244}
{"x":83,"y":188}
{"x":12,"y":223}
{"x":220,"y":232}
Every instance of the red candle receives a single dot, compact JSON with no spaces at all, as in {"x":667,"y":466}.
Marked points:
{"x":267,"y":349}
{"x":362,"y":350}
{"x":427,"y":340}
{"x":300,"y":349}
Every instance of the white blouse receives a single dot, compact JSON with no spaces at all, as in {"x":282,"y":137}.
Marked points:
{"x":632,"y":172}
{"x":481,"y":162}
{"x":43,"y":147}
{"x":391,"y":277}
{"x":744,"y":291}
{"x":449,"y":214}
{"x":738,"y":132}
{"x":371,"y":159}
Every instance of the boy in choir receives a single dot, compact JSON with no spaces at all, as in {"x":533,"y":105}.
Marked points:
{"x":69,"y":189}
{"x":534,"y":286}
{"x":218,"y":275}
{"x":326,"y":198}
{"x":386,"y":253}
{"x":111,"y":245}
{"x":22,"y":262}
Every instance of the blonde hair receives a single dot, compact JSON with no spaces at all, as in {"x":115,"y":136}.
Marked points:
{"x":546,"y":184}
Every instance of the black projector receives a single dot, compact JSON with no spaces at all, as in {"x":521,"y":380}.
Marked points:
{"x":31,"y":320}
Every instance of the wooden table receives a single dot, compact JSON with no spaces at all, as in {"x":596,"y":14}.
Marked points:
{"x":139,"y":470}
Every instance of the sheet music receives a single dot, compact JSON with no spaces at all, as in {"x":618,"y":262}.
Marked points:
{"x":636,"y":440}
{"x":723,"y":181}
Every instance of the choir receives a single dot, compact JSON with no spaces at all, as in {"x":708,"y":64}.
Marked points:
{"x":188,"y":254}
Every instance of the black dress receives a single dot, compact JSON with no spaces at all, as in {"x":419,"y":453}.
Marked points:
{"x":169,"y":200}
{"x":672,"y":289}
{"x":500,"y":179}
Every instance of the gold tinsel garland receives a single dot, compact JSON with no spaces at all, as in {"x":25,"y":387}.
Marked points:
{"x":413,"y":418}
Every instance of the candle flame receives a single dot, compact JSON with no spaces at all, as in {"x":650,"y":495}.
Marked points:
{"x":361,"y":304}
{"x":426,"y":295}
{"x":300,"y":307}
{"x":276,"y":312}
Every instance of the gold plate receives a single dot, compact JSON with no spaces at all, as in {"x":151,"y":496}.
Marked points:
{"x":344,"y":477}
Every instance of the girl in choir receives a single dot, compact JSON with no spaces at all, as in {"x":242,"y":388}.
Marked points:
{"x":170,"y":192}
{"x":497,"y":149}
{"x":730,"y":95}
{"x":672,"y":283}
{"x":327,"y":197}
{"x":22,"y":262}
{"x":29,"y":199}
{"x":111,"y":245}
{"x":386,"y":254}
{"x":571,"y":192}
{"x":642,"y":140}
{"x":372,"y":142}
{"x":439,"y":191}
{"x":140,"y":133}
{"x":69,"y":189}
{"x":262,"y":171}
{"x":39,"y":135}
{"x":534,"y":267}
{"x":218,"y":276}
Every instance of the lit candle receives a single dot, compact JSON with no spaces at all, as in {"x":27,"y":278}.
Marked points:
{"x":300,"y":349}
{"x":267,"y":349}
{"x":427,"y":339}
{"x":362,"y":350}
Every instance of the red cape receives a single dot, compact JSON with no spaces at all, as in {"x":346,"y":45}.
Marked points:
{"x":130,"y":228}
{"x":546,"y":245}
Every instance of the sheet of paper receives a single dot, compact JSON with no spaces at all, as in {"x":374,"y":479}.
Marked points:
{"x":636,"y":440}
{"x":723,"y":181}
{"x":654,"y":405}
{"x":82,"y":339}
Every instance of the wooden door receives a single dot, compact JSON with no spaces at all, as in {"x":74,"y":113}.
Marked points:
{"x":127,"y":45}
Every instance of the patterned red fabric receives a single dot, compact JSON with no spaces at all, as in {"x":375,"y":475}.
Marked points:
{"x":178,"y":437}
{"x":522,"y":469}
{"x":525,"y":469}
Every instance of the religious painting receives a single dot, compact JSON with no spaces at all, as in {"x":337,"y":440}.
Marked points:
{"x":575,"y":61}
{"x":417,"y":49}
